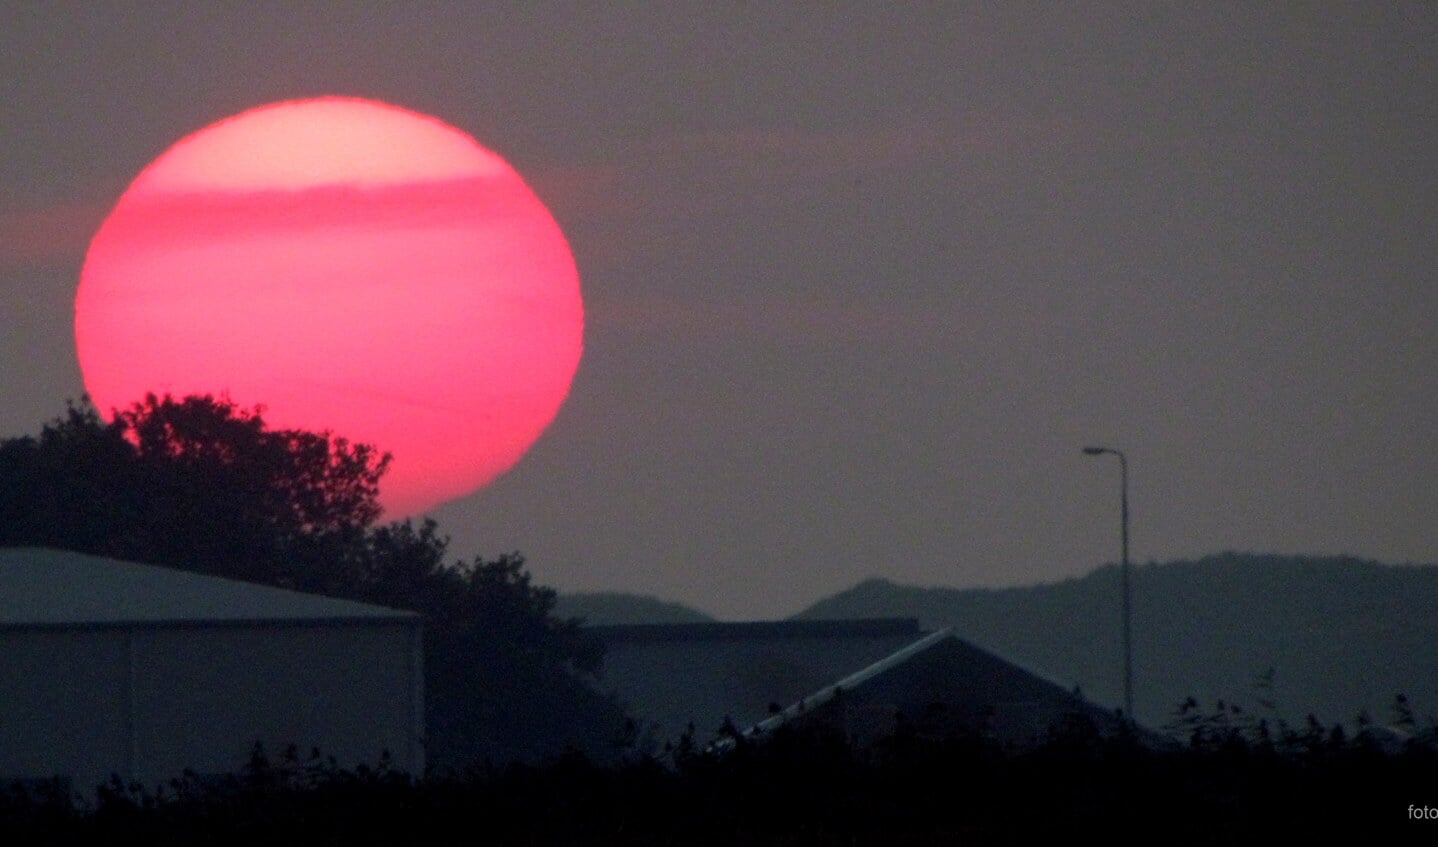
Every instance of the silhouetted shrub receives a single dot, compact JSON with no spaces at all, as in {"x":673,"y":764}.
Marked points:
{"x":801,"y":785}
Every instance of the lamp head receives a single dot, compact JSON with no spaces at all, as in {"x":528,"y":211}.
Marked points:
{"x":1094,"y":451}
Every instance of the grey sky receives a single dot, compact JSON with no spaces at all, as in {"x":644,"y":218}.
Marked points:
{"x":861,"y":279}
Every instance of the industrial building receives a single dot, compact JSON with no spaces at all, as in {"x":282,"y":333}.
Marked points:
{"x":111,"y":668}
{"x":746,"y":679}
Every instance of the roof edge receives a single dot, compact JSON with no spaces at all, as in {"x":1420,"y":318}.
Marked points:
{"x":399,"y":618}
{"x":829,"y":692}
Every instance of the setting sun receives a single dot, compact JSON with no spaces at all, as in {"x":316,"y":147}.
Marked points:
{"x":353,"y":267}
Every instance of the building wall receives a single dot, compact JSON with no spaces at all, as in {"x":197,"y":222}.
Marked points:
{"x":148,"y":703}
{"x":62,"y":705}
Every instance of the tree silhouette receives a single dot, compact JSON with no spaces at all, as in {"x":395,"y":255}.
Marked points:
{"x":200,"y":484}
{"x":195,"y":483}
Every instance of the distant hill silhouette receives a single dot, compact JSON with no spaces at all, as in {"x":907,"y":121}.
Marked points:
{"x":605,"y":607}
{"x":1340,"y":635}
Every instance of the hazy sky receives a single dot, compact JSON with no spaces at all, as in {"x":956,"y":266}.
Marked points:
{"x":861,"y":279}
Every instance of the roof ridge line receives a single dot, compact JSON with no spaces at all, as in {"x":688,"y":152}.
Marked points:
{"x":829,"y":692}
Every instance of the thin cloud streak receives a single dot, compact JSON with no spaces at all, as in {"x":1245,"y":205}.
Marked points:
{"x":169,"y":218}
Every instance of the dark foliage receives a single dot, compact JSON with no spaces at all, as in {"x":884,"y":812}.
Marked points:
{"x":196,"y":483}
{"x":203,"y":485}
{"x":803,"y":785}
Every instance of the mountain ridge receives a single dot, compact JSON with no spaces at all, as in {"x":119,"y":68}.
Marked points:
{"x":1334,"y":636}
{"x":597,"y":608}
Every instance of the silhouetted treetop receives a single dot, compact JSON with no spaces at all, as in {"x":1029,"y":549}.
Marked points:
{"x":201,"y":484}
{"x":197,"y":483}
{"x":311,"y":482}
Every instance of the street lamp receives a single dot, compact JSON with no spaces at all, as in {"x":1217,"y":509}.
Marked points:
{"x":1127,"y":612}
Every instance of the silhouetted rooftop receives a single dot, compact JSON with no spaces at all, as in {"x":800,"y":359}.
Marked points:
{"x":61,"y":589}
{"x":674,"y":675}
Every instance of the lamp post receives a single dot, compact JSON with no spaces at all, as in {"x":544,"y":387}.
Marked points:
{"x":1127,"y":612}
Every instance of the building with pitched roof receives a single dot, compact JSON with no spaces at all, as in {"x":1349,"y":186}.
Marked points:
{"x":864,"y":675}
{"x":111,"y":668}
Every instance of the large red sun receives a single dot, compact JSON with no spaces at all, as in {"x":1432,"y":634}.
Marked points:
{"x":352,"y":267}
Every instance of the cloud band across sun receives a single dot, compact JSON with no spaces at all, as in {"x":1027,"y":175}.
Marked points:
{"x":410,"y":291}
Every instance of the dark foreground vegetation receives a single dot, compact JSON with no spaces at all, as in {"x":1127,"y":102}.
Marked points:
{"x":200,"y":484}
{"x":802,"y":786}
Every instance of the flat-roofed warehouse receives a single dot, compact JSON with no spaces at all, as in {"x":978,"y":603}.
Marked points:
{"x":116,"y":668}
